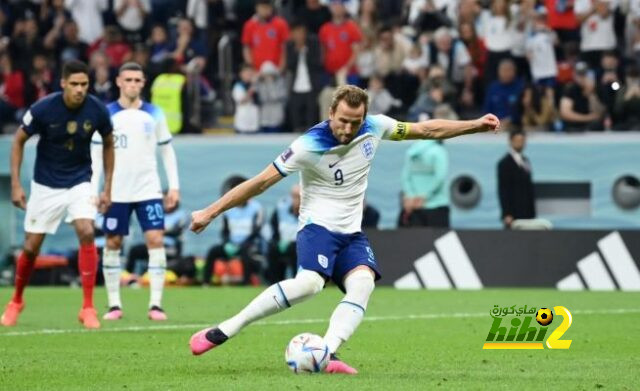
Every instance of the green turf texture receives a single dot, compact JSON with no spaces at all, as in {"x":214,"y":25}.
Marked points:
{"x":391,"y":351}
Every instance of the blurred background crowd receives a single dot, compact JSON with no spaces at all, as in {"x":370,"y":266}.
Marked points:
{"x":551,"y":65}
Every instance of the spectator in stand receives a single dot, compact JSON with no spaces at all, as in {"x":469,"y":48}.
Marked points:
{"x":580,"y":108}
{"x":88,"y":16}
{"x":627,"y":103}
{"x":65,"y":42}
{"x":436,"y":90}
{"x":498,"y":33}
{"x":452,"y":55}
{"x":597,"y":30}
{"x":272,"y":98}
{"x":380,"y":100}
{"x":160,"y":50}
{"x":415,"y":62}
{"x":340,"y":40}
{"x":12,"y":85}
{"x":366,"y":60}
{"x":540,"y":51}
{"x":368,"y":19}
{"x":389,"y":55}
{"x":246,"y":119}
{"x":562,"y":19}
{"x":131,"y":16}
{"x":537,"y":106}
{"x":25,"y":43}
{"x":515,"y":185}
{"x":40,"y":79}
{"x":264,"y":37}
{"x":304,"y":67}
{"x":189,"y":50}
{"x":428,"y":18}
{"x":53,"y":15}
{"x":313,"y":15}
{"x":284,"y":229}
{"x":113,"y":45}
{"x":503,"y":94}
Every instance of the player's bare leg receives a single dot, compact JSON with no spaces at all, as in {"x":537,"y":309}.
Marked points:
{"x":24,"y":268}
{"x":87,"y":266}
{"x":111,"y":267}
{"x":157,"y":267}
{"x":275,"y":298}
{"x":358,"y":284}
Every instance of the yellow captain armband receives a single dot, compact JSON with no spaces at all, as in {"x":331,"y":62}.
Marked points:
{"x":400,"y":131}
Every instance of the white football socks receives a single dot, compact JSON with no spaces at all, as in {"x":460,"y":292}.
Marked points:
{"x":350,"y":311}
{"x":275,"y":298}
{"x":111,"y":272}
{"x":157,"y":268}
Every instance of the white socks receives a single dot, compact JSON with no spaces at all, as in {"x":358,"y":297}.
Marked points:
{"x":275,"y":298}
{"x":157,"y":268}
{"x":350,"y":311}
{"x":111,"y":272}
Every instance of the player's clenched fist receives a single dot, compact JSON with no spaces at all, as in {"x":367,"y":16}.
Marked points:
{"x":199,"y":221}
{"x":488,"y":122}
{"x":18,"y":197}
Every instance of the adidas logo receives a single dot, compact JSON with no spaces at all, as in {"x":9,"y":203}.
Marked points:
{"x":618,"y":269}
{"x":430,"y":268}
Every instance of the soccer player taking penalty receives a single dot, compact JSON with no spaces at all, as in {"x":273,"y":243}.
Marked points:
{"x":333,"y":158}
{"x":139,"y":127}
{"x":65,"y":122}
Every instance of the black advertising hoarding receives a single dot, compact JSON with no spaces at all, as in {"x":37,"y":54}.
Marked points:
{"x":473,"y":259}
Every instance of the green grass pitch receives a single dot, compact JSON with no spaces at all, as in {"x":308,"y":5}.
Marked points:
{"x":408,"y":340}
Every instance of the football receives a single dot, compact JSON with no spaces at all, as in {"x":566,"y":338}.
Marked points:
{"x":544,"y":316}
{"x":307,"y":353}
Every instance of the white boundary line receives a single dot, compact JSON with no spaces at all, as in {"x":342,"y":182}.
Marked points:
{"x":295,"y":321}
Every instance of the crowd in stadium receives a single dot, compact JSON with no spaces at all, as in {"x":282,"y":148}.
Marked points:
{"x":560,"y":65}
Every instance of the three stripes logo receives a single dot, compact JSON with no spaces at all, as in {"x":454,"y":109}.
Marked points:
{"x":618,"y":270}
{"x":430,"y":269}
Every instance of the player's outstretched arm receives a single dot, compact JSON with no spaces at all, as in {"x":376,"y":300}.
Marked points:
{"x":108,"y":157}
{"x":437,"y":129}
{"x":234,"y":197}
{"x":18,"y":196}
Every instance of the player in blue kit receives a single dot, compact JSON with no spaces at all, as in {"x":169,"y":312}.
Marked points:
{"x":65,"y":122}
{"x":333,"y":158}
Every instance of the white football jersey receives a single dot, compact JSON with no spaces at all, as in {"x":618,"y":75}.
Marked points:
{"x":333,"y":176}
{"x":136,"y":134}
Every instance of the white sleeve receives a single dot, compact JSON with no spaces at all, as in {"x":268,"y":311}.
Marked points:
{"x":163,"y":134}
{"x":462,"y":56}
{"x":96,"y":165}
{"x":388,"y":128}
{"x":238,"y":93}
{"x":296,"y":157}
{"x":170,"y":165}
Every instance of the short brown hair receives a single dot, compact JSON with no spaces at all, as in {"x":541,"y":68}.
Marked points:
{"x":352,"y":95}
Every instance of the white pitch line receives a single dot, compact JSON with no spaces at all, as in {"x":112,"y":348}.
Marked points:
{"x":295,"y":321}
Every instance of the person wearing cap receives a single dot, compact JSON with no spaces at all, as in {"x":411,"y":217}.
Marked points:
{"x":264,"y":37}
{"x":580,"y":108}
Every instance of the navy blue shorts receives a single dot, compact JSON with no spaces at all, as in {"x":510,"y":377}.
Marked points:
{"x":150,"y":214}
{"x":333,"y":255}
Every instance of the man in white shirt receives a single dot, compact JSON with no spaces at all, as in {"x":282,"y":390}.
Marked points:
{"x":597,"y":32}
{"x":333,"y":158}
{"x":139,"y":127}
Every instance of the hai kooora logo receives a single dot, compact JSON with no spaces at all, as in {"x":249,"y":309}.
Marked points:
{"x":527,"y":328}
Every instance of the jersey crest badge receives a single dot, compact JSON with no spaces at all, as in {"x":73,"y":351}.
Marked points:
{"x":72,"y":127}
{"x":87,"y":126}
{"x":323,"y":261}
{"x":367,"y":149}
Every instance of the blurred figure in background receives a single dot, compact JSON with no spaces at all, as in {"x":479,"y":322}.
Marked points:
{"x":237,"y":259}
{"x":424,"y":180}
{"x":282,"y":246}
{"x":515,"y":186}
